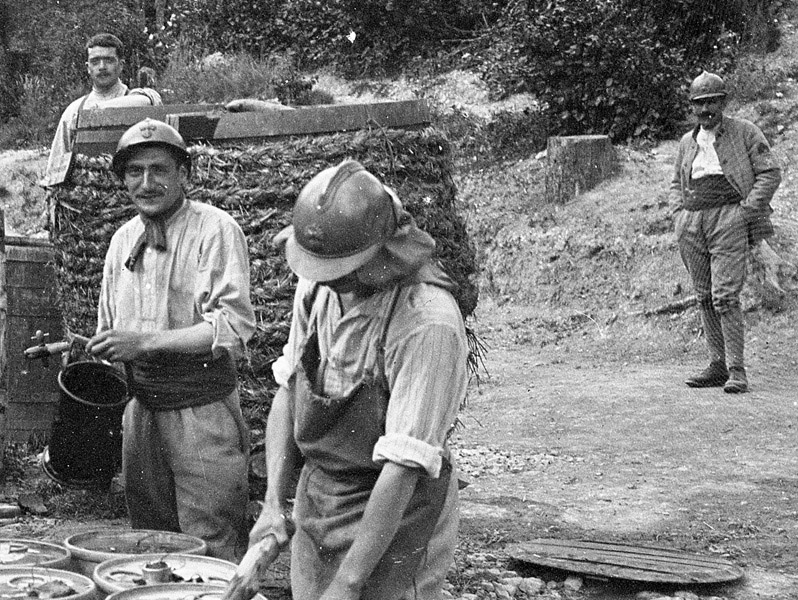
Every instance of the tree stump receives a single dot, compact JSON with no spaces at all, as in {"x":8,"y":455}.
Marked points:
{"x":577,"y":163}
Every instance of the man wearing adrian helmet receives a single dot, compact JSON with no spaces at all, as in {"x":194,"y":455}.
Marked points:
{"x":724,"y":179}
{"x":371,"y":380}
{"x":174,"y":309}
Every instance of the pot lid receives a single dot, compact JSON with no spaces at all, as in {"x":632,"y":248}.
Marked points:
{"x":29,"y":583}
{"x":174,"y":591}
{"x":126,"y":572}
{"x":16,"y":552}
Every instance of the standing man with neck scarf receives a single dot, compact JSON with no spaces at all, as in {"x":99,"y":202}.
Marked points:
{"x":724,"y":179}
{"x":371,"y":380}
{"x":175,"y":311}
{"x":104,"y":65}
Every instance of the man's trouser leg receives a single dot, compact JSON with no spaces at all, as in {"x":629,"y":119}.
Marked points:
{"x":696,"y":256}
{"x":149,"y":487}
{"x":728,"y":243}
{"x":187,"y":469}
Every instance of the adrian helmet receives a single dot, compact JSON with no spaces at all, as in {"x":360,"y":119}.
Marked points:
{"x":149,"y":132}
{"x":341,"y":219}
{"x":707,"y":85}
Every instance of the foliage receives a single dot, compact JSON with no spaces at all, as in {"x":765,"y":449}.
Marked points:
{"x":505,"y":136}
{"x":189,"y":78}
{"x":597,"y":66}
{"x":194,"y":76}
{"x":359,"y":36}
{"x":617,"y":67}
{"x":53,"y":34}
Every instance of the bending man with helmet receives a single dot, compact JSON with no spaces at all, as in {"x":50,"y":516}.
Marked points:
{"x":724,"y":179}
{"x":371,"y":379}
{"x":175,"y":310}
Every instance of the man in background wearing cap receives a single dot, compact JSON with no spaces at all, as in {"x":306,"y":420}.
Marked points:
{"x":371,"y":380}
{"x":724,"y":179}
{"x":174,"y":309}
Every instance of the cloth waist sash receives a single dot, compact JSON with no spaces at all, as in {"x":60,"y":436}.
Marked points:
{"x":711,"y":191}
{"x":172,"y":381}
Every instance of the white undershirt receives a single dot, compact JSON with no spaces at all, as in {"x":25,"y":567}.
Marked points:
{"x":706,"y":160}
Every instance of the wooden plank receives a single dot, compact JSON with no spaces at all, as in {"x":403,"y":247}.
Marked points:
{"x":100,"y":130}
{"x":322,"y":119}
{"x":115,"y":118}
{"x":625,"y":561}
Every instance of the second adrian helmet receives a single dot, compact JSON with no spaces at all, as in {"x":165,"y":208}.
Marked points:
{"x":149,"y":132}
{"x":707,"y":85}
{"x":341,"y":219}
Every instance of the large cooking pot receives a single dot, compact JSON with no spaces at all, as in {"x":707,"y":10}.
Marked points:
{"x":29,"y":583}
{"x":19,"y":552}
{"x":91,"y":548}
{"x":175,"y":591}
{"x":128,"y":572}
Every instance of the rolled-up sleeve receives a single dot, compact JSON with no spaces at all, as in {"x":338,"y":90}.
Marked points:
{"x":223,"y":290}
{"x":427,"y":374}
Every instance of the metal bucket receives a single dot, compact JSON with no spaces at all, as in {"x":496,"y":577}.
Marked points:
{"x":85,"y":447}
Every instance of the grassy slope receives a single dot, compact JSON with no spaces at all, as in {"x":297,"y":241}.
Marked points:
{"x":573,"y":279}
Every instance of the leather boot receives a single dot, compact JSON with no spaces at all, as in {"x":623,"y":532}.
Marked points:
{"x":738,"y":382}
{"x":715,"y":375}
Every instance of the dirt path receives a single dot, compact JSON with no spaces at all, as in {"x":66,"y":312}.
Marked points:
{"x":568,"y":447}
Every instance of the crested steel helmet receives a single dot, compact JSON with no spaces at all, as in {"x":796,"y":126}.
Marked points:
{"x":707,"y":85}
{"x":149,"y":132}
{"x":341,"y":219}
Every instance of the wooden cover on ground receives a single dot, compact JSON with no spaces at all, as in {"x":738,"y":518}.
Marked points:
{"x":625,"y":561}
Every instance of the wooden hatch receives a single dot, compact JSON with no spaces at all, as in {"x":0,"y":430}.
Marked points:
{"x":624,"y":561}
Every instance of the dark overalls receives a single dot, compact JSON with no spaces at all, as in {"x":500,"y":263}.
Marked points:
{"x":337,"y":437}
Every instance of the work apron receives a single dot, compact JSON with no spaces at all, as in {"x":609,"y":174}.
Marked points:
{"x":337,"y":437}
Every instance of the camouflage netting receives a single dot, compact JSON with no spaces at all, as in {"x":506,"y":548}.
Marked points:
{"x":258,"y":185}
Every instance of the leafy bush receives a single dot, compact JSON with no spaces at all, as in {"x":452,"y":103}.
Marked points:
{"x":597,"y":66}
{"x":359,"y":36}
{"x":195,"y":77}
{"x":618,"y":67}
{"x":189,"y":78}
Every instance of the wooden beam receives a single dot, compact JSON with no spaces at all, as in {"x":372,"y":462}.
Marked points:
{"x":101,"y":129}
